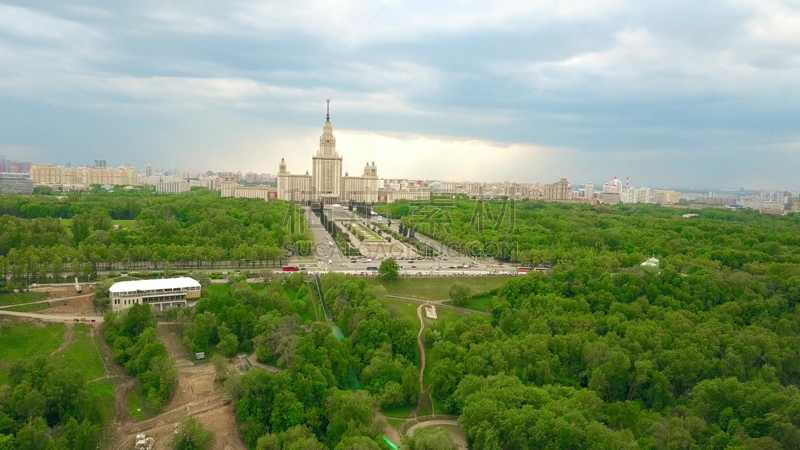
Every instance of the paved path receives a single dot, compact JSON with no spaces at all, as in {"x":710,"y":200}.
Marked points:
{"x":251,"y":358}
{"x":430,"y":423}
{"x":54,"y":317}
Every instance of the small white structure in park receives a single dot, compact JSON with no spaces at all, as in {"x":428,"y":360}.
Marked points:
{"x":652,"y":262}
{"x":430,"y":311}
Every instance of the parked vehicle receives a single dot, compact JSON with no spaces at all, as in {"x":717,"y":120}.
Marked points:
{"x":290,"y":269}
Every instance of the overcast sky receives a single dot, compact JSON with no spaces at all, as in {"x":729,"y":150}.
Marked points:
{"x":678,"y":93}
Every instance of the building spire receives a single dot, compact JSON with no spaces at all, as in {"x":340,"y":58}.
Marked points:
{"x":328,"y":113}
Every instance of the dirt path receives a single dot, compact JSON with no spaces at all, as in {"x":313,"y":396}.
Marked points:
{"x":422,"y":358}
{"x":252,"y":358}
{"x":49,"y":300}
{"x":197,"y":395}
{"x":54,"y":317}
{"x":388,"y":430}
{"x":122,"y":383}
{"x":69,"y":331}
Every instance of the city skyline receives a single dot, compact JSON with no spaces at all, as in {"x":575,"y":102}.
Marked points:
{"x":496,"y":92}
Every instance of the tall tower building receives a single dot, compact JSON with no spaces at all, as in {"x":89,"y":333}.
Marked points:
{"x":148,"y":170}
{"x":327,"y":168}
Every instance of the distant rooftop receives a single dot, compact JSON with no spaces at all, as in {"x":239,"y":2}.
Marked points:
{"x":154,"y":285}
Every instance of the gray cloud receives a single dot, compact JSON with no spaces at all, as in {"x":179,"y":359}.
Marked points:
{"x":639,"y":89}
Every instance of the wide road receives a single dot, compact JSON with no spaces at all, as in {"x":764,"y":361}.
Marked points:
{"x":324,"y":248}
{"x":54,"y":317}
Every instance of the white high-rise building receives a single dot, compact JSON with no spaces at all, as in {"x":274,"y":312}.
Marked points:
{"x":589,"y":191}
{"x":326,"y":184}
{"x":327,"y":170}
{"x":613,"y":187}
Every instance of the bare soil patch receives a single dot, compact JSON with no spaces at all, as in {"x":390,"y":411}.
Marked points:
{"x":197,"y":395}
{"x":57,"y":292}
{"x":83,"y":305}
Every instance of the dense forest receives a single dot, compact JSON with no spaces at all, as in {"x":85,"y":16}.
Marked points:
{"x":36,"y":244}
{"x":703,"y":352}
{"x":44,"y":406}
{"x":132,"y":336}
{"x":618,"y":236}
{"x":326,"y":391}
{"x":578,"y":358}
{"x":660,"y":360}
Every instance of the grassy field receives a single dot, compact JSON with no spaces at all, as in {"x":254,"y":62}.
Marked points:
{"x":369,"y":235}
{"x":401,"y":309}
{"x":67,"y":224}
{"x":21,"y":340}
{"x":398,"y":413}
{"x":29,"y":308}
{"x":122,"y":223}
{"x":135,"y":407}
{"x":82,"y":355}
{"x":21,"y":298}
{"x":432,"y":288}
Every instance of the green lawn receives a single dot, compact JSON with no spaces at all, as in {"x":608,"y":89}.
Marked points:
{"x":433,"y":288}
{"x":67,"y":224}
{"x":22,"y":340}
{"x":369,"y":235}
{"x":22,"y":297}
{"x":401,"y":308}
{"x":398,"y":413}
{"x":29,"y":308}
{"x":103,"y":391}
{"x":480,"y":302}
{"x":81,"y":355}
{"x":135,"y":407}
